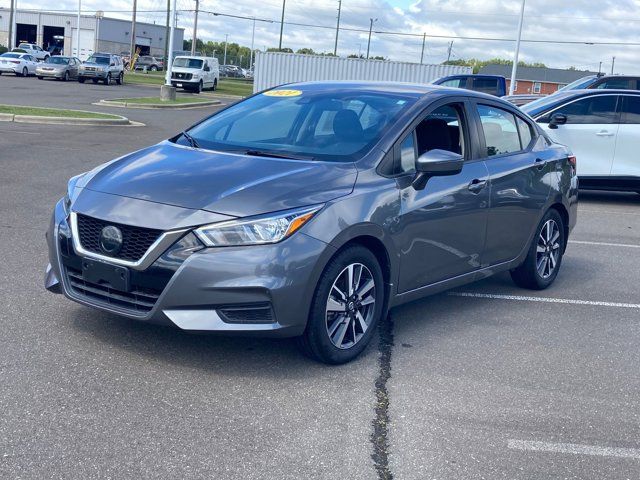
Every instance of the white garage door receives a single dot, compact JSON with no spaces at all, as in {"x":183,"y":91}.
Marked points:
{"x":87,"y":41}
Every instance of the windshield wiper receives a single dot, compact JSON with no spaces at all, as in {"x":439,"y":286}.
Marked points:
{"x":265,"y":153}
{"x":191,"y":140}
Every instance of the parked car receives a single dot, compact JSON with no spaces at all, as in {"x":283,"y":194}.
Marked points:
{"x":619,"y":82}
{"x":491,"y":84}
{"x":522,"y":99}
{"x":150,"y":63}
{"x":60,"y":68}
{"x":310,"y":209}
{"x":232,"y":71}
{"x":21,"y":64}
{"x":102,"y":67}
{"x":195,"y":73}
{"x":34,"y":50}
{"x":602,"y":127}
{"x":55,"y":50}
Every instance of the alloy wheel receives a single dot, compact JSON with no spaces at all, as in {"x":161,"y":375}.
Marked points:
{"x":350,"y":305}
{"x":548,"y":249}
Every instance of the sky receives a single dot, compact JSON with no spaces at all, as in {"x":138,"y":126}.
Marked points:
{"x":616,"y":21}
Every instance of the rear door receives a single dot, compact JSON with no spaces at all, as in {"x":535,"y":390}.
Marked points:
{"x":441,"y":230}
{"x":590,"y":132}
{"x":518,"y":172}
{"x":626,"y":161}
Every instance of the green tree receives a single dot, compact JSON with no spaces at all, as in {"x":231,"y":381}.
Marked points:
{"x":476,"y":64}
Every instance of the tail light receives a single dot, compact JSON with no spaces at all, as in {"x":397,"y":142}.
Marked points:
{"x":17,"y":62}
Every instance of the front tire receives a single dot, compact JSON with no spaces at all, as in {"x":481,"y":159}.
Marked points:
{"x":39,"y":78}
{"x":107,"y":80}
{"x":25,"y":72}
{"x":153,"y":68}
{"x":198,"y":87}
{"x":120,"y":79}
{"x":540,"y":268}
{"x":346,"y":308}
{"x":66,"y":76}
{"x":81,"y":79}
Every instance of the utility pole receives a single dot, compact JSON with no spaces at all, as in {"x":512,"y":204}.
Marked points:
{"x":78,"y":30}
{"x":167,"y":33}
{"x":600,"y":68}
{"x":424,"y":40}
{"x":226,"y":38}
{"x":514,"y":68}
{"x":449,"y":51}
{"x":10,"y":43}
{"x":168,"y":91}
{"x":371,"y":21}
{"x":613,"y":62}
{"x":253,"y":37}
{"x":335,"y":47}
{"x":284,"y":2}
{"x":195,"y":29}
{"x":133,"y":35}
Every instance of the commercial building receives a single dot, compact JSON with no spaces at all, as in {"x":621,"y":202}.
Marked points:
{"x":97,"y":33}
{"x":536,"y":79}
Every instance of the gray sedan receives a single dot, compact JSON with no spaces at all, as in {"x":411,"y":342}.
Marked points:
{"x":60,"y":68}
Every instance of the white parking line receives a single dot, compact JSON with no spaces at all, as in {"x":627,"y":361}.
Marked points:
{"x":605,"y":244}
{"x":574,"y":449}
{"x":544,"y":299}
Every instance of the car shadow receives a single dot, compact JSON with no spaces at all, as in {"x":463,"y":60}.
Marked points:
{"x":611,"y":198}
{"x":219,"y":354}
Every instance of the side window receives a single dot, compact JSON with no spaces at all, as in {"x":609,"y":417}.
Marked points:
{"x":630,"y":109}
{"x":621,"y":83}
{"x":486,"y":85}
{"x":525,"y":132}
{"x":407,"y":155}
{"x":599,"y":109}
{"x":500,"y":130}
{"x":455,"y":83}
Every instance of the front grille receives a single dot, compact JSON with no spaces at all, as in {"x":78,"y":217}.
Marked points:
{"x":181,"y":76}
{"x":247,"y":315}
{"x":140,"y":300}
{"x":90,"y":69}
{"x":135,"y":240}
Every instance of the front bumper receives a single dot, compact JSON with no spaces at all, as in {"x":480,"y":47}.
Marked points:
{"x":49,"y":73}
{"x":211,"y":283}
{"x":92,"y":74}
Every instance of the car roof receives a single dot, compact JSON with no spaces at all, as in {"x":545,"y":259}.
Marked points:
{"x":552,"y":101}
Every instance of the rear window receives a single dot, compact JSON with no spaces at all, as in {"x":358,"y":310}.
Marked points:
{"x":11,"y":55}
{"x":485,"y":85}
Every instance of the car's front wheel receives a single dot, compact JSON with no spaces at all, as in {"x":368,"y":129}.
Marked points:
{"x":120,"y":79}
{"x":25,"y":72}
{"x":81,"y":79}
{"x":542,"y":264}
{"x":107,"y":80}
{"x":347,"y":306}
{"x":66,"y":76}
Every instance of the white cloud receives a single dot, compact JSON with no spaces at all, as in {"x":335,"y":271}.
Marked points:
{"x":581,"y":20}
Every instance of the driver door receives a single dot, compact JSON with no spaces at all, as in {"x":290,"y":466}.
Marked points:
{"x":442,"y":228}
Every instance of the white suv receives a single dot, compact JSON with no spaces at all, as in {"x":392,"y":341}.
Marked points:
{"x":195,"y":73}
{"x":35,"y":51}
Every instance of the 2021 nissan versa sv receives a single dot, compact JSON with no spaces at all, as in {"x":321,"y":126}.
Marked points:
{"x":309,"y":210}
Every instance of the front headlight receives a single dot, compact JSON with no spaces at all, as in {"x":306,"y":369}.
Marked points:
{"x":271,"y":228}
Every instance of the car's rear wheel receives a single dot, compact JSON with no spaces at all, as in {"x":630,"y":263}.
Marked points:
{"x":215,"y":85}
{"x":544,"y":258}
{"x":120,"y":79}
{"x":25,"y":72}
{"x":346,"y":308}
{"x":94,"y":80}
{"x":39,"y":78}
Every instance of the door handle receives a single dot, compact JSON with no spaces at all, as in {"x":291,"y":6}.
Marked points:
{"x":541,"y":163}
{"x":604,"y":133}
{"x":476,"y":185}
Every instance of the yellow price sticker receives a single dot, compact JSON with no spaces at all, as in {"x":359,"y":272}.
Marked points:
{"x":283,"y":93}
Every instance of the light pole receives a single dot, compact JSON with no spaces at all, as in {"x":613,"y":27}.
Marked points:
{"x":133,"y":35}
{"x":12,"y":33}
{"x":78,"y":30}
{"x":424,"y":40}
{"x":195,"y":29}
{"x":371,"y":22}
{"x":253,"y":37}
{"x":514,"y":69}
{"x":284,"y":2}
{"x":168,"y":91}
{"x":226,"y":38}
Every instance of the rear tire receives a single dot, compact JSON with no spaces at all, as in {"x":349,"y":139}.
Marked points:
{"x":94,"y":80}
{"x":541,"y":267}
{"x":343,"y":319}
{"x":215,"y":85}
{"x":153,"y":68}
{"x":120,"y":79}
{"x":39,"y":78}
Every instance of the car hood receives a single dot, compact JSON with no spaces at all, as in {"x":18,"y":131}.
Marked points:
{"x":225,"y":183}
{"x":185,"y":70}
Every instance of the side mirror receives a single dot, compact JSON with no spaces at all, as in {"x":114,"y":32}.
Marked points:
{"x":557,"y":119}
{"x":112,"y":64}
{"x":436,"y":163}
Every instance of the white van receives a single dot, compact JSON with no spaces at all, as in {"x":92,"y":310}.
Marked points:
{"x":195,"y":73}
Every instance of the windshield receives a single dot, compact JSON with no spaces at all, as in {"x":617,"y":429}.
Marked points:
{"x":24,"y":45}
{"x":325,"y":125}
{"x":579,"y":84}
{"x":58,"y":60}
{"x":99,"y":60}
{"x":545,"y":103}
{"x":184,"y":62}
{"x":11,"y":55}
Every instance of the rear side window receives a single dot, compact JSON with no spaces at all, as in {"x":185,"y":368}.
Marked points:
{"x":500,"y":130}
{"x":630,"y":109}
{"x":621,"y":83}
{"x":455,"y":83}
{"x":485,"y":85}
{"x":599,"y":109}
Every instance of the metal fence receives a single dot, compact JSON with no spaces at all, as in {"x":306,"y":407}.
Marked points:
{"x":274,"y":68}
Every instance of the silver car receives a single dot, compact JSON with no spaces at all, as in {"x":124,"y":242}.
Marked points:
{"x":60,"y":68}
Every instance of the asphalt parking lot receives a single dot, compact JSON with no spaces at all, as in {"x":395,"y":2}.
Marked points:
{"x":489,"y":381}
